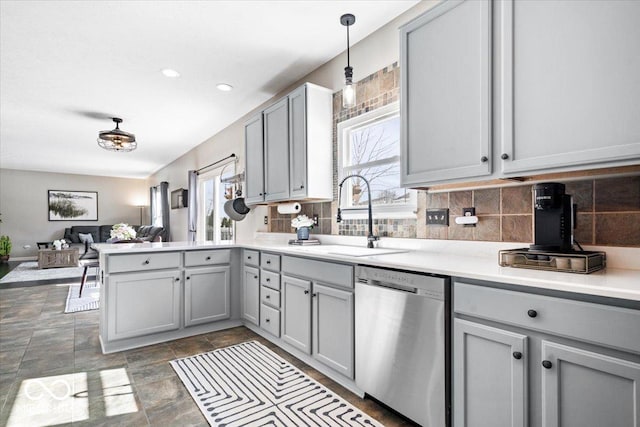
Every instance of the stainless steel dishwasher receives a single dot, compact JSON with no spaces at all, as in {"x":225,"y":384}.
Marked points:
{"x":402,"y":342}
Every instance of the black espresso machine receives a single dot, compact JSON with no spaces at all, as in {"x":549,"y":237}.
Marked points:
{"x":554,"y":218}
{"x":552,"y":248}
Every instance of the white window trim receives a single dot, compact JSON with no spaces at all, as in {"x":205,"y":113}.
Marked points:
{"x":407,"y":210}
{"x":202,"y":178}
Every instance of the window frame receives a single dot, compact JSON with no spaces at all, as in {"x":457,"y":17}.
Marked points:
{"x":214,"y":175}
{"x":343,"y":129}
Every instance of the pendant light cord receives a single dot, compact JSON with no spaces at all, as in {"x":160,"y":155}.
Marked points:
{"x":348,"y":62}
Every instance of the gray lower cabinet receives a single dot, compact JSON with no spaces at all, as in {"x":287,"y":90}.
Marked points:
{"x":145,"y":303}
{"x":251,"y":294}
{"x":583,"y":388}
{"x":333,"y":328}
{"x":207,"y":294}
{"x":490,"y":387}
{"x":296,"y":312}
{"x":521,"y":359}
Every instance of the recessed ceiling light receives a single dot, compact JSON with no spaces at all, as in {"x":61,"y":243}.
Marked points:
{"x":224,"y":87}
{"x":168,"y":72}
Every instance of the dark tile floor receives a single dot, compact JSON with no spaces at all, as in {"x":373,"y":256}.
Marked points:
{"x":39,"y":344}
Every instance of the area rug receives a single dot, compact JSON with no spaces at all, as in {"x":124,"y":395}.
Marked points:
{"x":90,"y":299}
{"x":248,"y":384}
{"x":28,"y":271}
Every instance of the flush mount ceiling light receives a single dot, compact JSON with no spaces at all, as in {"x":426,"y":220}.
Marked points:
{"x":224,"y":87}
{"x":349,"y":91}
{"x":168,"y":72}
{"x":116,"y":139}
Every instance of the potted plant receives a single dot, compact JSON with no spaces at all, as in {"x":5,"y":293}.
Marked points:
{"x":5,"y":248}
{"x":302,"y":224}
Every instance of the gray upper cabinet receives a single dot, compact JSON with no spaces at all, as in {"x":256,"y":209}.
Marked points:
{"x":254,"y":158}
{"x":276,"y":151}
{"x":570,"y":73}
{"x":446,"y":93}
{"x":294,"y":145}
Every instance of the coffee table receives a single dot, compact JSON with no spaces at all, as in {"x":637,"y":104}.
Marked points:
{"x":51,"y":258}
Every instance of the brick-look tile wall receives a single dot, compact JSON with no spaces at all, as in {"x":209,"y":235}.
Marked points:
{"x":608,"y":209}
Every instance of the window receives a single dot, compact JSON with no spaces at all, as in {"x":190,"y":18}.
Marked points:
{"x":369,"y":145}
{"x":213,"y":223}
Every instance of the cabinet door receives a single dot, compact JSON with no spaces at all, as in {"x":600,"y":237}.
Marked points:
{"x":251,"y":295}
{"x":296,"y":313}
{"x":333,"y":327}
{"x":254,"y":160}
{"x":143,"y":303}
{"x":446,"y":93}
{"x":571,"y":83}
{"x":206,"y":294}
{"x":298,"y":143}
{"x":489,"y":376}
{"x":586,"y":389}
{"x":276,"y":151}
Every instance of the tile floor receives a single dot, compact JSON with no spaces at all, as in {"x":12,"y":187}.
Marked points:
{"x":38,"y":342}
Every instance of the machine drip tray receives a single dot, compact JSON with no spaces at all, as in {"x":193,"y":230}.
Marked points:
{"x":583,"y":262}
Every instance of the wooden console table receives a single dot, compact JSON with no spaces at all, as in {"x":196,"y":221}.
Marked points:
{"x":51,"y":258}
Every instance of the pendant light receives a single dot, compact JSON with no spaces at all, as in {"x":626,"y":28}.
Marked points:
{"x":116,"y":139}
{"x":349,"y":90}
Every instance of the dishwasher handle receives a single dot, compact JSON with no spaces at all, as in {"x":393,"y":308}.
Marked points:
{"x":394,"y":286}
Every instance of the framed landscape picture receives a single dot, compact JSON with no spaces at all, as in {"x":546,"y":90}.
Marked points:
{"x":73,"y":205}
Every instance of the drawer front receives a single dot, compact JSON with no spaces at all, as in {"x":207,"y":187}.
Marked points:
{"x":320,"y":271}
{"x":270,"y":320}
{"x":270,"y":297}
{"x":143,"y":262}
{"x":270,"y":279}
{"x":601,"y":324}
{"x":251,"y":257}
{"x":210,"y":257}
{"x":270,"y":262}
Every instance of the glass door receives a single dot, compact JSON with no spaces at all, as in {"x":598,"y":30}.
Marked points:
{"x":214,"y":225}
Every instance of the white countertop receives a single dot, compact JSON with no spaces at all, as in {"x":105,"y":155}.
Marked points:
{"x":437,"y":258}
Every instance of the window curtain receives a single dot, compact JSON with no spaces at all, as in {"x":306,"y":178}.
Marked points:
{"x":159,"y":208}
{"x":192,"y":208}
{"x":164,"y":202}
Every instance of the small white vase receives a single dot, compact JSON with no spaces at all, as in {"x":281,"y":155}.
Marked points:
{"x":57,"y":246}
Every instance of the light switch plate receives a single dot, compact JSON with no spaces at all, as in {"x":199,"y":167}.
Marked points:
{"x":437,"y":216}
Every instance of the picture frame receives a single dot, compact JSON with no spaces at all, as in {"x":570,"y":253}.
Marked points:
{"x":179,"y":198}
{"x":67,"y":205}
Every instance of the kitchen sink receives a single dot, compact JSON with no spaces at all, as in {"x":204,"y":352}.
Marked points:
{"x":354,"y":251}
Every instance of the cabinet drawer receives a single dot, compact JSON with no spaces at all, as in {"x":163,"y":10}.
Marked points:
{"x":270,"y":297}
{"x":601,"y":324}
{"x":143,"y":262}
{"x":193,"y":258}
{"x":270,"y":279}
{"x":321,"y":271}
{"x":270,"y":262}
{"x":251,"y":257}
{"x":270,"y":320}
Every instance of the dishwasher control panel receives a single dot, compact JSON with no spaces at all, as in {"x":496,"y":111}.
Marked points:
{"x":419,"y":284}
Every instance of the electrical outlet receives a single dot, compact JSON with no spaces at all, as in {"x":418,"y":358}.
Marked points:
{"x":468,"y":211}
{"x":266,"y":220}
{"x":437,"y":216}
{"x":315,"y":220}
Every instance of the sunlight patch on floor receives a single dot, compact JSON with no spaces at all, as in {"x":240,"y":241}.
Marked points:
{"x":117,"y":392}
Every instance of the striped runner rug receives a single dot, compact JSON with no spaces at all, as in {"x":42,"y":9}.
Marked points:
{"x":249,"y":385}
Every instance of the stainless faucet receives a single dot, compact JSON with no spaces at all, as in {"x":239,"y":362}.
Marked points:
{"x":370,"y":238}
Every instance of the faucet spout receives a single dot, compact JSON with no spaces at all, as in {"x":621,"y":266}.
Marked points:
{"x":370,"y":238}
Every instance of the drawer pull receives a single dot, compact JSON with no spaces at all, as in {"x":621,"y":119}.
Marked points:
{"x":208,"y":258}
{"x":177,"y":279}
{"x":504,"y":156}
{"x":268,"y":279}
{"x":532,"y":313}
{"x":268,"y":296}
{"x":547,"y":364}
{"x":249,"y":257}
{"x":147,"y":261}
{"x":517,"y":355}
{"x":484,"y":159}
{"x":267,"y":320}
{"x":314,"y":295}
{"x":255,"y":277}
{"x":188,"y":277}
{"x":268,"y":261}
{"x":306,"y":292}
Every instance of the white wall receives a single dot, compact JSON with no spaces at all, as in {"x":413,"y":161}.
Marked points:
{"x":24,"y":204}
{"x":371,"y":54}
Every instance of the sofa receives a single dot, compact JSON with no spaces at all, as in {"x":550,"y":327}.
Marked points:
{"x":102,"y":233}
